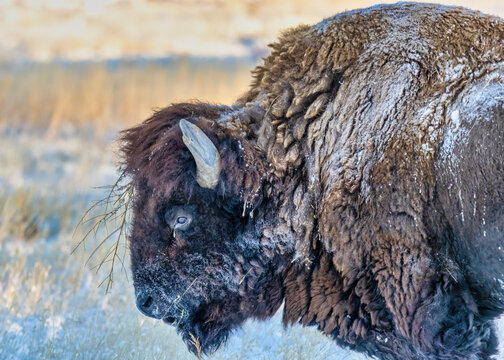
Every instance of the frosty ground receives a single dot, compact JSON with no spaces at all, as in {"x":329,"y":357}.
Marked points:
{"x":50,"y":304}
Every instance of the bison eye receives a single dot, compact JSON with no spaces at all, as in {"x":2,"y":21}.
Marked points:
{"x":179,"y":217}
{"x":181,"y":222}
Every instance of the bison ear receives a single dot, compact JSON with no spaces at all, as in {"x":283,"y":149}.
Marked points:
{"x":204,"y":152}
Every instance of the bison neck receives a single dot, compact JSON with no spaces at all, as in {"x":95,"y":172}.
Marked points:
{"x":352,"y":312}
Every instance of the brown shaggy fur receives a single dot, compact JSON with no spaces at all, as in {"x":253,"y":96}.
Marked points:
{"x":366,"y":165}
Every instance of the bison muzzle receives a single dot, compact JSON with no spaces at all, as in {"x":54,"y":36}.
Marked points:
{"x":360,"y":182}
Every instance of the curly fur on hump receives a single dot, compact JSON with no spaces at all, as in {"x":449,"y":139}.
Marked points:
{"x":361,"y":183}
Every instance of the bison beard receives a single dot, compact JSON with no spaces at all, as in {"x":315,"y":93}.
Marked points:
{"x":359,"y":181}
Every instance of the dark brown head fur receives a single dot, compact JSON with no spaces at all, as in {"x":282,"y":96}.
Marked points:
{"x":207,"y":278}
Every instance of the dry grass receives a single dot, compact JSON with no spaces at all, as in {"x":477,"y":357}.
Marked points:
{"x":108,"y":221}
{"x":26,"y":215}
{"x":195,"y":342}
{"x":98,"y":95}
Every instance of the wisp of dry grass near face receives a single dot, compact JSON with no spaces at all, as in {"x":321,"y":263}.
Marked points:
{"x":111,"y":215}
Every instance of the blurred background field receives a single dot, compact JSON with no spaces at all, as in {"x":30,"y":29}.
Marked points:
{"x":72,"y":74}
{"x":112,"y":93}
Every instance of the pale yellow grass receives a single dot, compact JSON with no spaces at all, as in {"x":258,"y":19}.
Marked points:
{"x":97,"y":95}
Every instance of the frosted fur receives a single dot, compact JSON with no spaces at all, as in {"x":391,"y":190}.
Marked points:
{"x":362,"y":178}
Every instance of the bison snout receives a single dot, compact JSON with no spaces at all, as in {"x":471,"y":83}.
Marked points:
{"x":146,"y":305}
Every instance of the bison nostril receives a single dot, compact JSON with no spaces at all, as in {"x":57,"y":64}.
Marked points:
{"x":147,"y":302}
{"x":169,"y":319}
{"x":145,"y":305}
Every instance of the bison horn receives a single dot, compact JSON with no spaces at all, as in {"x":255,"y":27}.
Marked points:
{"x":204,"y":152}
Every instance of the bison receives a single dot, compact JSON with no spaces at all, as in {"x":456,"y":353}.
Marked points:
{"x":359,"y":182}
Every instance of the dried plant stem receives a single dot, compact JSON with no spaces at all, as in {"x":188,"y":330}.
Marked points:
{"x":116,"y":207}
{"x":196,"y":344}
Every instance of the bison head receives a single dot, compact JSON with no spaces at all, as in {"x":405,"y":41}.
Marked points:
{"x":200,"y":259}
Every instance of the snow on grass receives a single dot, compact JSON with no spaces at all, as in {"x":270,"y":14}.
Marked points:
{"x":50,"y":303}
